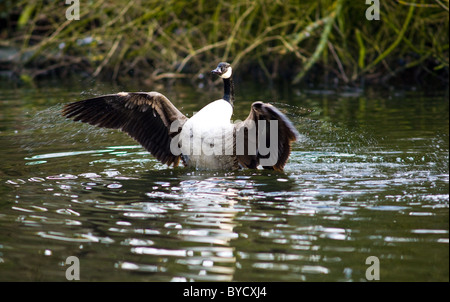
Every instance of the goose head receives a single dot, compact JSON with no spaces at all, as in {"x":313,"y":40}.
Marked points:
{"x":223,"y":70}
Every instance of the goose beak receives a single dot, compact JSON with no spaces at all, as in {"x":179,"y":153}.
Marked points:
{"x":217,"y":71}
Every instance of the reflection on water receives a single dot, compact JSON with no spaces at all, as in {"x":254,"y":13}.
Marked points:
{"x":368,"y":178}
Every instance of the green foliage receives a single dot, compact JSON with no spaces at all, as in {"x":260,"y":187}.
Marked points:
{"x":167,"y":39}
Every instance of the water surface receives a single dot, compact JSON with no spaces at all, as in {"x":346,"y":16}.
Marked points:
{"x":369,"y":177}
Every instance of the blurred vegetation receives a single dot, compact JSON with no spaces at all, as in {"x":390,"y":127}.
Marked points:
{"x":311,"y":40}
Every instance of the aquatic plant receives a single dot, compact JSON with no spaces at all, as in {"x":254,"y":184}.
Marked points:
{"x":275,"y":39}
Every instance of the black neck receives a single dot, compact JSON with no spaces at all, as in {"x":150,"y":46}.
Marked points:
{"x":228,"y":90}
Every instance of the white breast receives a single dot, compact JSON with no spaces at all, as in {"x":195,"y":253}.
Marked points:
{"x":207,"y":137}
{"x":219,"y":111}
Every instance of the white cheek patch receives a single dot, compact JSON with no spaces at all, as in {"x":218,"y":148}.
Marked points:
{"x":227,"y":74}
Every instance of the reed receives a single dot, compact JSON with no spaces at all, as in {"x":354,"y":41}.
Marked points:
{"x":290,"y":40}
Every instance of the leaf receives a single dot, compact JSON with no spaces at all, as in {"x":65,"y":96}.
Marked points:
{"x":26,"y":14}
{"x":362,"y":49}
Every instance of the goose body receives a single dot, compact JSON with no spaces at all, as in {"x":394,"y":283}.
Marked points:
{"x":207,"y":138}
{"x":206,"y":141}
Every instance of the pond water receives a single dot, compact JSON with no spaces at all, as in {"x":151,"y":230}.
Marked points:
{"x":369,"y":177}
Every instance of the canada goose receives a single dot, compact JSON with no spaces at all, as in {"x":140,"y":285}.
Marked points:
{"x":207,"y":140}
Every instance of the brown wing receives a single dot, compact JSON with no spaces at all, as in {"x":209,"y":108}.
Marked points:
{"x":249,"y":128}
{"x":145,"y":116}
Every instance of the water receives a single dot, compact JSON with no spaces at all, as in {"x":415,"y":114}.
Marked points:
{"x":369,"y":177}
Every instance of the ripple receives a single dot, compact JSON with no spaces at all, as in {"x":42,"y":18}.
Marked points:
{"x":429,"y":231}
{"x":315,"y":269}
{"x":387,"y":208}
{"x":137,"y":242}
{"x":146,"y":268}
{"x":79,"y":238}
{"x":61,"y":177}
{"x":212,"y":236}
{"x":65,"y":154}
{"x":159,"y":252}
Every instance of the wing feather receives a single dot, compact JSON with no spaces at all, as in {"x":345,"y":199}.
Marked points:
{"x":145,"y":116}
{"x":287,"y":134}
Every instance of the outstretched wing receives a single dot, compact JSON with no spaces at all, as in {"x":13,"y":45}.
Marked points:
{"x":251,"y":130}
{"x":145,"y":116}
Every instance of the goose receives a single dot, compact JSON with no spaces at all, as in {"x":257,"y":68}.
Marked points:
{"x":207,"y":141}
